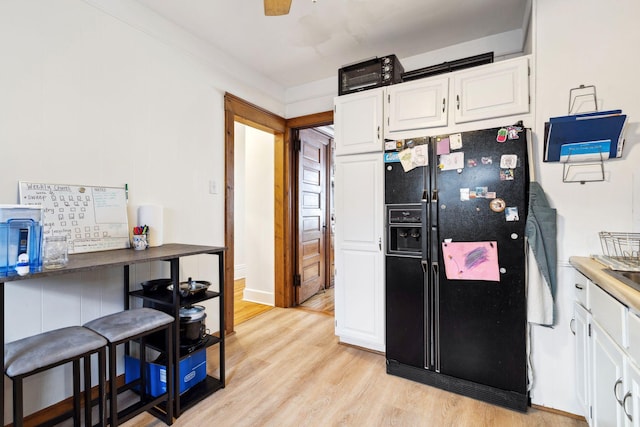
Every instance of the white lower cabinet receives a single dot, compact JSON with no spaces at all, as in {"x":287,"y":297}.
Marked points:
{"x":607,"y":340}
{"x":581,"y":320}
{"x":359,"y":255}
{"x":631,"y":399}
{"x":608,"y":382}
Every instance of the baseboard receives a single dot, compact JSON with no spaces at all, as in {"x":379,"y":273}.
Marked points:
{"x":260,"y":297}
{"x":559,"y":412}
{"x":61,"y":407}
{"x":346,"y":344}
{"x":239,"y":271}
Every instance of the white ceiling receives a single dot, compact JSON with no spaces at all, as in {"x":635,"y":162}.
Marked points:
{"x":316,"y":38}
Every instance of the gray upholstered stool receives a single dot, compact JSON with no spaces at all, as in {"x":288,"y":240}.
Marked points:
{"x":40,"y":352}
{"x":137,"y":324}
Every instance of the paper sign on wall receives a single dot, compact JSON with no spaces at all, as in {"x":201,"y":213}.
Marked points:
{"x":471,"y":260}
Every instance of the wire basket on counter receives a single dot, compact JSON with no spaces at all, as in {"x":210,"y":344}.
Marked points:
{"x":623,"y":247}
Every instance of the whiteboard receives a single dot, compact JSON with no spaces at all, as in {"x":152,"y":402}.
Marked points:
{"x":93,"y":218}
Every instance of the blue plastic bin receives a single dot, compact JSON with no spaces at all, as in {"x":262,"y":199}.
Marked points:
{"x":193,"y":369}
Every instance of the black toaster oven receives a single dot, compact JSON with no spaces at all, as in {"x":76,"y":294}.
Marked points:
{"x":375,"y":72}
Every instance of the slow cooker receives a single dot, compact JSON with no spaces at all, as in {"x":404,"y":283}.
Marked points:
{"x":192,"y":325}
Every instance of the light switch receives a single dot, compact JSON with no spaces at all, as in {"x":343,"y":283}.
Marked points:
{"x":213,"y":187}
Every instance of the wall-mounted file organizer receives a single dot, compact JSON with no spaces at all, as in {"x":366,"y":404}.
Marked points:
{"x":582,"y":142}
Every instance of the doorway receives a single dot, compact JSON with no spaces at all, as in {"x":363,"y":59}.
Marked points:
{"x":315,"y":219}
{"x":254,"y":258}
{"x":238,"y":110}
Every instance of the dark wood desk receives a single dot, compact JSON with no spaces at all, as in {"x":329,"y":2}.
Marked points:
{"x":125,"y":258}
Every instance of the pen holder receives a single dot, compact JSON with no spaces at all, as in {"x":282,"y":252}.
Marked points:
{"x":139,"y":242}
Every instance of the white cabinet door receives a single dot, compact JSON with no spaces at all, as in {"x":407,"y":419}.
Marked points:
{"x":358,"y":122}
{"x":608,"y":387}
{"x":419,"y":104}
{"x":581,"y":289}
{"x":359,"y":258}
{"x":631,"y":400}
{"x":610,"y":314}
{"x":583,"y":357}
{"x":492,"y":90}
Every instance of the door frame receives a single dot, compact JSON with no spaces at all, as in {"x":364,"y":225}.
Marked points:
{"x":239,"y":110}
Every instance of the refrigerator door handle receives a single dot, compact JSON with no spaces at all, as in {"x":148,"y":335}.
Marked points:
{"x":424,"y":264}
{"x":434,"y":297}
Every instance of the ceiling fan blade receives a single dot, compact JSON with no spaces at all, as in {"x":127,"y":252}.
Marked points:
{"x":276,"y":7}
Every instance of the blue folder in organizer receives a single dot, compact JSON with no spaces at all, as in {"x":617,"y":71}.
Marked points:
{"x":585,"y":137}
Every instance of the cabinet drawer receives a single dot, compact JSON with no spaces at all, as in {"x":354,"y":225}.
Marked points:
{"x":581,"y":289}
{"x":609,"y":313}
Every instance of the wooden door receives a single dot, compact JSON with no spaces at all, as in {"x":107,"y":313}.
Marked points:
{"x":312,"y":213}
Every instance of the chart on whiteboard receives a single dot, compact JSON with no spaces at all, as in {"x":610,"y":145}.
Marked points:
{"x":93,"y":218}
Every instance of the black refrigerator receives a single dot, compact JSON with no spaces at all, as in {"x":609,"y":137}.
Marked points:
{"x":456,"y":209}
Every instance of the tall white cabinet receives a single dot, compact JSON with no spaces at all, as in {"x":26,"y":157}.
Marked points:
{"x":359,"y":198}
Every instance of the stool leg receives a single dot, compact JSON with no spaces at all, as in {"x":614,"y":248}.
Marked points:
{"x":76,"y":392}
{"x":86,"y":363}
{"x":17,"y":402}
{"x":113,"y":387}
{"x":102,"y":392}
{"x":170,"y":374}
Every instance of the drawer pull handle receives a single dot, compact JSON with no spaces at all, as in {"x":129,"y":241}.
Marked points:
{"x":571,"y":326}
{"x":624,"y":405}
{"x":579,"y":287}
{"x":615,"y":390}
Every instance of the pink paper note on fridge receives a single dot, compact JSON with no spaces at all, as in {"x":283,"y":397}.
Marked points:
{"x":471,"y":260}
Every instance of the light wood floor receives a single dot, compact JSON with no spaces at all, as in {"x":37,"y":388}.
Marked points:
{"x":245,"y":310}
{"x":286,"y":368}
{"x":322,"y":302}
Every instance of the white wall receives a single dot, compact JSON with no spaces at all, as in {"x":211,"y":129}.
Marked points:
{"x":582,"y":42}
{"x":105,"y":93}
{"x":259,"y":217}
{"x":318,"y":96}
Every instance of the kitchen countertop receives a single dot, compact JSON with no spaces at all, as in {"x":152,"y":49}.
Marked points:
{"x":595,"y":272}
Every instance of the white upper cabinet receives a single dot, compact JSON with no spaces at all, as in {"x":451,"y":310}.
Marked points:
{"x":447,"y":102}
{"x":416,"y":105}
{"x":358,"y":122}
{"x":492,"y":90}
